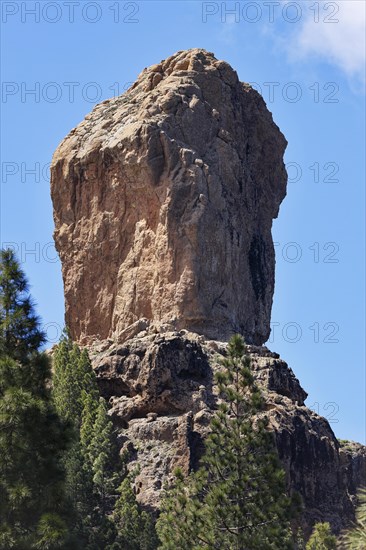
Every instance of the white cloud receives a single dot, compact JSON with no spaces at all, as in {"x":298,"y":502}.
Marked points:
{"x":341,"y":43}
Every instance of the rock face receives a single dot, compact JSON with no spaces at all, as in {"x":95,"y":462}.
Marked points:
{"x":163,"y":205}
{"x":162,"y":396}
{"x":353,"y":457}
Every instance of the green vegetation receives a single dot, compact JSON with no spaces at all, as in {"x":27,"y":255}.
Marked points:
{"x":62,"y":482}
{"x":32,"y":436}
{"x":64,"y":485}
{"x":237,"y":498}
{"x":322,"y":538}
{"x":92,"y":462}
{"x":107,"y":514}
{"x":346,"y":444}
{"x":355,"y":538}
{"x":134,"y":527}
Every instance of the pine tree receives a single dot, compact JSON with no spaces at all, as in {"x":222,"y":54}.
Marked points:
{"x":73,"y":375}
{"x":135,"y":527}
{"x":102,"y":470}
{"x":299,"y":539}
{"x":93,"y":466}
{"x":75,"y":395}
{"x":355,"y":538}
{"x":183,"y":514}
{"x":32,"y":436}
{"x":237,"y":499}
{"x":20,"y":332}
{"x":103,"y":453}
{"x":322,"y":538}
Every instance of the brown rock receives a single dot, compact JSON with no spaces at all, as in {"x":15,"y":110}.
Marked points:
{"x":167,"y":375}
{"x":171,"y":375}
{"x":163,"y":205}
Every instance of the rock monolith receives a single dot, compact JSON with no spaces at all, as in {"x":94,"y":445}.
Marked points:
{"x":163,"y":201}
{"x":163,"y":205}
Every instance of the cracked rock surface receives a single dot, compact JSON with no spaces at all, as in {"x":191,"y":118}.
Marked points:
{"x":162,"y":394}
{"x":163,"y":202}
{"x":163,"y":205}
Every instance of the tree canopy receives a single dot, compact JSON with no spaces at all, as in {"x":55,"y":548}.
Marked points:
{"x":33,"y":438}
{"x":237,"y":498}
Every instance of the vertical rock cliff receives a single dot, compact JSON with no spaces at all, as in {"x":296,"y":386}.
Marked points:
{"x":163,"y":205}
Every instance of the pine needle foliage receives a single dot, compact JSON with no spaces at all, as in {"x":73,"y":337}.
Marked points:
{"x":134,"y":526}
{"x":33,"y":438}
{"x":322,"y":538}
{"x":237,"y":498}
{"x":20,"y":332}
{"x":107,"y":513}
{"x":92,"y":463}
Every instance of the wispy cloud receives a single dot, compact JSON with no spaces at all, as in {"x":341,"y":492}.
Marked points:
{"x":341,"y":43}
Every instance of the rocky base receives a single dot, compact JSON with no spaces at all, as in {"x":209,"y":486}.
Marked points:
{"x":162,"y":396}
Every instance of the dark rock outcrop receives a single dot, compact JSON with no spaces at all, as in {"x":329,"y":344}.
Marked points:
{"x":162,"y":396}
{"x":353,"y":461}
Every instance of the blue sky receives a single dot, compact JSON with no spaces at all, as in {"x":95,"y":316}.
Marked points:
{"x":307,"y":58}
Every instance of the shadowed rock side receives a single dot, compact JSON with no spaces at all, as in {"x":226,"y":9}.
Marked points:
{"x":163,"y":204}
{"x":162,"y":396}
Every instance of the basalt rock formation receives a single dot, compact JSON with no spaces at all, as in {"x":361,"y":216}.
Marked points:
{"x":163,"y":205}
{"x":162,"y":395}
